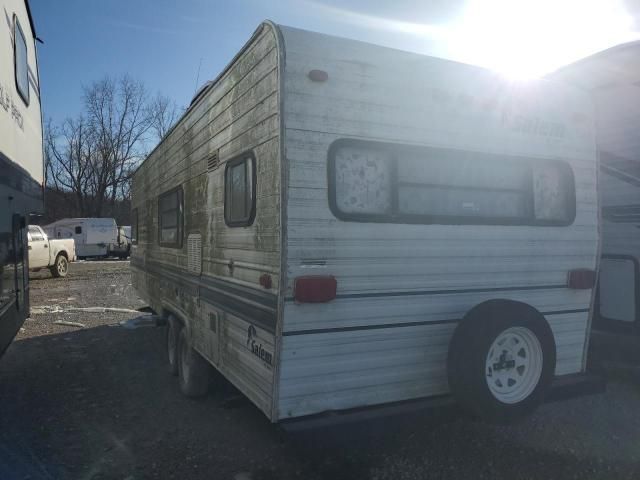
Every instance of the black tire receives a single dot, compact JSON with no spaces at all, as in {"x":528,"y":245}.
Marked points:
{"x":194,"y":373}
{"x":60,"y":267}
{"x":173,"y":333}
{"x":470,"y":370}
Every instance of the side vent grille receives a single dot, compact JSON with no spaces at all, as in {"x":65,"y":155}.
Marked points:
{"x":194,"y":253}
{"x":213,"y":161}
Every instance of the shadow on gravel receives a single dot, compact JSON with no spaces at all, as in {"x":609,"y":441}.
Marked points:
{"x":98,"y":403}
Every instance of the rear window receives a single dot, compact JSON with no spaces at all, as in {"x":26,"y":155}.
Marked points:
{"x":36,"y":234}
{"x":375,"y":182}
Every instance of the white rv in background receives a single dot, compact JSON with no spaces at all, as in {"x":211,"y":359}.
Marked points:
{"x":359,"y":225}
{"x":618,"y":305}
{"x":21,"y":160}
{"x":612,"y":78}
{"x":93,"y":236}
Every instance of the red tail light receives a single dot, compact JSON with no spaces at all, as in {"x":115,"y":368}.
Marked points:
{"x":314,"y":289}
{"x":581,"y":279}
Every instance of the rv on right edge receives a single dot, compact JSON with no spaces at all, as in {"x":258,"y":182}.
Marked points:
{"x":334,"y":225}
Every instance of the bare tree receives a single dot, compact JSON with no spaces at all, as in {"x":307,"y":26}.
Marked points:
{"x":164,"y":113}
{"x":68,"y":157}
{"x":118,"y":114}
{"x":94,"y":155}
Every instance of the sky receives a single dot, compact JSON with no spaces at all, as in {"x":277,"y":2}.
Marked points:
{"x":174,"y":46}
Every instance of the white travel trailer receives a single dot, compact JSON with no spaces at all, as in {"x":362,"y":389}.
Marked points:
{"x":613,"y":78}
{"x":21,"y":160}
{"x":93,"y":236}
{"x":333,"y":225}
{"x":619,"y":278}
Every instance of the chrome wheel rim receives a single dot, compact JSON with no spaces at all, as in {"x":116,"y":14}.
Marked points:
{"x":514,"y":365}
{"x":62,"y":265}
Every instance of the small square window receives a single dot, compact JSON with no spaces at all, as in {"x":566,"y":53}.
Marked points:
{"x":239,"y":195}
{"x":78,"y":230}
{"x":170,"y":218}
{"x":21,"y":61}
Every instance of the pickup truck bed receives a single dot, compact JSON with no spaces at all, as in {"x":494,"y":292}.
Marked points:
{"x":54,"y":254}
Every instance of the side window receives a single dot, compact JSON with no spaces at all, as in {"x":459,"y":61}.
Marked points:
{"x":21,"y":62}
{"x":239,"y":191}
{"x":134,"y":226}
{"x":170,"y":218}
{"x":78,"y":230}
{"x":35,"y":233}
{"x":377,"y":182}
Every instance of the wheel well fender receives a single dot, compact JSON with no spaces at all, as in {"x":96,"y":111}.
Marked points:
{"x":168,"y":312}
{"x":490,"y":307}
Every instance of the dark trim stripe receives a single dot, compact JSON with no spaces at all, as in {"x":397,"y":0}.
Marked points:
{"x":16,"y":178}
{"x":443,"y":292}
{"x":251,"y":305}
{"x":401,"y":325}
{"x":620,"y":175}
{"x":562,"y":312}
{"x":366,"y":327}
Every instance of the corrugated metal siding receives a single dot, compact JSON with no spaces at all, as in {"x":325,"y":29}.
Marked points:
{"x":240,"y":113}
{"x":386,"y":95}
{"x":330,"y":371}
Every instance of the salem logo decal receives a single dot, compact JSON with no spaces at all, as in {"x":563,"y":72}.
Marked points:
{"x":257,"y":348}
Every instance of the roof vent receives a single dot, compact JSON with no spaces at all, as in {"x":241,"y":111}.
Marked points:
{"x":200,"y":92}
{"x":213,"y":161}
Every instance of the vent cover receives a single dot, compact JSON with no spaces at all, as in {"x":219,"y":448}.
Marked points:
{"x":194,"y":253}
{"x":213,"y":161}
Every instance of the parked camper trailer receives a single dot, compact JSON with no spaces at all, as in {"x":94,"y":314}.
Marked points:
{"x":21,"y":160}
{"x":93,"y":236}
{"x":618,"y":120}
{"x":357,"y":225}
{"x":619,"y":284}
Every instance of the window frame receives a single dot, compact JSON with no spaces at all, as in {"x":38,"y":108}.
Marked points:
{"x":248,"y":220}
{"x":134,"y":227}
{"x":404,"y":218}
{"x":180,"y":222}
{"x":17,"y":27}
{"x":37,"y":231}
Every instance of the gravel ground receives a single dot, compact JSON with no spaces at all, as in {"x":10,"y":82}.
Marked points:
{"x":97,"y":403}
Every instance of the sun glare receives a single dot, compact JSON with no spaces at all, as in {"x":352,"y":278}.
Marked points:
{"x":521,"y":39}
{"x":528,"y":38}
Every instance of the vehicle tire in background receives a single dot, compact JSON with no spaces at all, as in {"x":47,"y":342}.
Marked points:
{"x":173,"y":332}
{"x":194,"y":373}
{"x":60,"y":266}
{"x":502,"y":360}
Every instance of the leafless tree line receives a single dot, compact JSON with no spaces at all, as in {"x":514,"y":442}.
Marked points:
{"x":93,"y":155}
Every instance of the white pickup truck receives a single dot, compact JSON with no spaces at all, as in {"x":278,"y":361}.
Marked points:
{"x":52,"y":254}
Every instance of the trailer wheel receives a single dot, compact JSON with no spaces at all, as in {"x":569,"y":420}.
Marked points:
{"x":501,"y":361}
{"x":194,"y":373}
{"x":60,"y":266}
{"x":173,"y":332}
